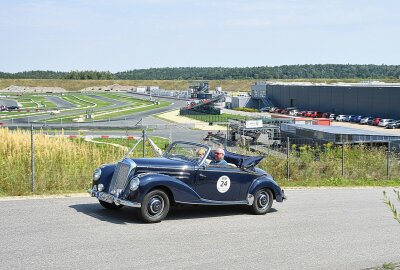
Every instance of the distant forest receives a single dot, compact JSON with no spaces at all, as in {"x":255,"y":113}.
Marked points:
{"x":329,"y":71}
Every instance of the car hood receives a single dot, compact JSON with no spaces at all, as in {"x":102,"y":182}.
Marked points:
{"x":161,"y":163}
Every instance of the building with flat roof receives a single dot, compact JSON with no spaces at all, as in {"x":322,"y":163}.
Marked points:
{"x":337,"y":135}
{"x":366,"y":98}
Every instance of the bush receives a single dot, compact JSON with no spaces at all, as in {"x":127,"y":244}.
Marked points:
{"x":246,"y":109}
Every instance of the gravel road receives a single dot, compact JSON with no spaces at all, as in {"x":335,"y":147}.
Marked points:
{"x":314,"y":229}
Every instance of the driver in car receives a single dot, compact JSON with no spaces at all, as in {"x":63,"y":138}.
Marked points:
{"x":219,"y":155}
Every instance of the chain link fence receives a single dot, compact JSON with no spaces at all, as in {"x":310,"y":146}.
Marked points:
{"x":306,"y":159}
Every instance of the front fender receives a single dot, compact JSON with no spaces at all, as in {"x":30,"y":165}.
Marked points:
{"x":180,"y":190}
{"x":266,"y":181}
{"x":107,"y":172}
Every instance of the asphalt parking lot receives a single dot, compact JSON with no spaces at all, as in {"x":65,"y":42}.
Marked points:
{"x":313,"y":229}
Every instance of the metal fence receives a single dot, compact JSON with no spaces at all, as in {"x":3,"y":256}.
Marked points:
{"x":307,"y":158}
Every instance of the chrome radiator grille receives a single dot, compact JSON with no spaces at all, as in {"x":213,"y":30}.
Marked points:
{"x":120,"y":178}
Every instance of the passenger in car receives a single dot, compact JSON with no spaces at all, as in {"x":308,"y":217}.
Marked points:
{"x":219,"y":155}
{"x":200,"y":153}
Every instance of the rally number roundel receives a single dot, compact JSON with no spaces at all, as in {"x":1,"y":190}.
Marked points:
{"x":223,"y":184}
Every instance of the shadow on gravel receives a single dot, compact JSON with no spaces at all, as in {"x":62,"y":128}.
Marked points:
{"x":208,"y":211}
{"x":128,"y":215}
{"x":125,"y":215}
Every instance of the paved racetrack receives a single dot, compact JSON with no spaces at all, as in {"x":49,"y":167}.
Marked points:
{"x":314,"y":229}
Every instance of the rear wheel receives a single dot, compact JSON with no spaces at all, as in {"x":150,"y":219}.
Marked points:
{"x":111,"y":206}
{"x":263,"y":200}
{"x":155,"y":206}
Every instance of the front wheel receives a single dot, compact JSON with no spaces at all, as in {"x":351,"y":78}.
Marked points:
{"x":262,"y":201}
{"x":155,"y":206}
{"x":111,"y":206}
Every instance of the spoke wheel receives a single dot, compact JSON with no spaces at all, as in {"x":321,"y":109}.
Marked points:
{"x":155,"y":206}
{"x":263,"y":200}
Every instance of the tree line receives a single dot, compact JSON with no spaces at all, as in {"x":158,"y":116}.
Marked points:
{"x":326,"y":71}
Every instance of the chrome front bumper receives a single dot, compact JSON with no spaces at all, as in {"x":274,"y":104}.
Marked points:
{"x":103,"y":196}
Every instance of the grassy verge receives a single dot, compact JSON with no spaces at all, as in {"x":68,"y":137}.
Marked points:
{"x":111,"y":113}
{"x":78,"y":101}
{"x":99,"y":103}
{"x":162,"y":143}
{"x":216,"y":118}
{"x":131,"y":111}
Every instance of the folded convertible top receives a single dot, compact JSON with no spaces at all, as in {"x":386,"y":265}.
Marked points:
{"x":239,"y":160}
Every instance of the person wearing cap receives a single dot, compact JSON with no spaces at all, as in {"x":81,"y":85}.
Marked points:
{"x":219,"y":155}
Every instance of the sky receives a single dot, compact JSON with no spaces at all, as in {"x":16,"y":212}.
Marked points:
{"x":120,"y":35}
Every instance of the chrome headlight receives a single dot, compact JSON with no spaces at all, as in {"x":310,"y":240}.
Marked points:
{"x":134,"y":184}
{"x":96,"y":174}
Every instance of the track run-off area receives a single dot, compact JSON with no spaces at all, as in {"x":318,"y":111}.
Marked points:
{"x":313,"y":229}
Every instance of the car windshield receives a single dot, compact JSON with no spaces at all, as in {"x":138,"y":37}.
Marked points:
{"x":187,"y":151}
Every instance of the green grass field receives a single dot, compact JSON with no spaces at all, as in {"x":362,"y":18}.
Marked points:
{"x":135,"y":105}
{"x":162,"y":143}
{"x":32,"y":102}
{"x":216,"y":118}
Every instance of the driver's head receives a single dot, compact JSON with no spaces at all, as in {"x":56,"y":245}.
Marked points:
{"x":219,"y":154}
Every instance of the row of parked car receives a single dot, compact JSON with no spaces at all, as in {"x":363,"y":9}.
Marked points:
{"x":369,"y":120}
{"x":363,"y":120}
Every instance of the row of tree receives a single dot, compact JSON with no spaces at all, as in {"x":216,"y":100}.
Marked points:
{"x":328,"y":71}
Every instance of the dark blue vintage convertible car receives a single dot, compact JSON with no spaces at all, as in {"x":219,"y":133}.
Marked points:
{"x":182,"y":177}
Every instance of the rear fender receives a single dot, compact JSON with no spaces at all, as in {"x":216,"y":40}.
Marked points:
{"x":265,"y":182}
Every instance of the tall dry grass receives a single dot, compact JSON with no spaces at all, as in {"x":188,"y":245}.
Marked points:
{"x":61,"y":164}
{"x":309,"y":166}
{"x":227,"y":85}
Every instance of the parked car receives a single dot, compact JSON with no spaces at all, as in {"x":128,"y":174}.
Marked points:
{"x":348,"y":118}
{"x":293,"y":112}
{"x":179,"y":176}
{"x":291,"y":108}
{"x":341,"y":117}
{"x":332,"y":116}
{"x":273,"y":109}
{"x":376,"y":120}
{"x":356,"y":119}
{"x":384,"y":122}
{"x":284,"y":111}
{"x":326,"y":115}
{"x":301,"y":113}
{"x":12,"y":108}
{"x":265,"y":109}
{"x":393,"y":124}
{"x":316,"y":114}
{"x":308,"y":113}
{"x":365,"y":120}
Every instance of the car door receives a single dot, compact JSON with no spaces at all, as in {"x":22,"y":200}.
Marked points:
{"x":222,"y":183}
